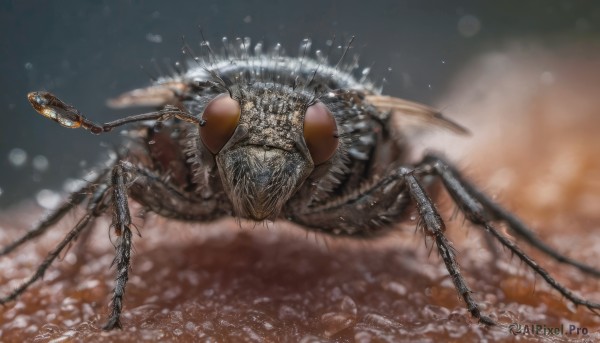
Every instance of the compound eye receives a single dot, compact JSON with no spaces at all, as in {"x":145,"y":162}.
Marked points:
{"x":221,"y":116}
{"x":320,"y":133}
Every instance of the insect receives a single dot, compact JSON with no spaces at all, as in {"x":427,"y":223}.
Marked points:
{"x":265,"y":136}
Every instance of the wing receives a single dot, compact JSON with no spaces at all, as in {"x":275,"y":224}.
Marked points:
{"x":154,"y":96}
{"x":408,"y":113}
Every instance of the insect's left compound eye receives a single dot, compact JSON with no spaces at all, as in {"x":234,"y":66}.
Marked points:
{"x":320,"y":133}
{"x":221,"y":116}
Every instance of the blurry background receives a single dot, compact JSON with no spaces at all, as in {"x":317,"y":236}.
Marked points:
{"x":87,"y":52}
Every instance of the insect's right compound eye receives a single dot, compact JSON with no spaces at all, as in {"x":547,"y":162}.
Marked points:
{"x":221,"y":116}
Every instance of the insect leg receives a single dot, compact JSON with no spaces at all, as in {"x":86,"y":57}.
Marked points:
{"x":364,"y":213}
{"x":435,"y":227}
{"x":159,"y":196}
{"x":122,"y":223}
{"x":95,"y":208}
{"x":476,"y":211}
{"x":496,"y":212}
{"x":53,"y":217}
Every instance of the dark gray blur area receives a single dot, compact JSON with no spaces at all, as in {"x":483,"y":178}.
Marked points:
{"x":87,"y":52}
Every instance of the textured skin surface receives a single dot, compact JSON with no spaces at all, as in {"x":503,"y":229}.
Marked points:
{"x":215,"y":282}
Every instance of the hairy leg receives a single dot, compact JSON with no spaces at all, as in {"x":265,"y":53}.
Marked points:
{"x":393,"y":192}
{"x":55,"y":216}
{"x":435,"y":227}
{"x":95,"y":208}
{"x":122,"y":224}
{"x":157,"y":195}
{"x":493,"y":211}
{"x":477,"y":213}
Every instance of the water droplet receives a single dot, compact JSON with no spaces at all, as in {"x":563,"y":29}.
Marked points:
{"x":469,"y":25}
{"x":305,"y":47}
{"x":276,"y":50}
{"x":48,"y":199}
{"x":377,"y":320}
{"x":40,"y":163}
{"x":348,"y":306}
{"x":32,"y":329}
{"x":28,"y":66}
{"x":246,"y":43}
{"x":17,"y":157}
{"x":88,"y":284}
{"x":258,"y":49}
{"x":247,"y":19}
{"x":176,"y":316}
{"x":321,"y":57}
{"x":334,"y":322}
{"x":190,"y":326}
{"x":153,"y":38}
{"x":71,"y":258}
{"x":363,"y":337}
{"x":67,"y":334}
{"x":1,"y":191}
{"x":20,"y":322}
{"x":395,"y":287}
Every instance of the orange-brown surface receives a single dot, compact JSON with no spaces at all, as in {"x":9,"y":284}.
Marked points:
{"x":535,"y":120}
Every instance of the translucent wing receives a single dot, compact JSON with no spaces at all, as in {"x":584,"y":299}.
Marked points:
{"x":155,"y":96}
{"x":408,"y":113}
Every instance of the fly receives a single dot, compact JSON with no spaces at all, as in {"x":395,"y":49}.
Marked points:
{"x":265,"y":136}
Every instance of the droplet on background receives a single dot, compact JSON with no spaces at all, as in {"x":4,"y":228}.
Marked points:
{"x":154,"y":38}
{"x":469,"y":26}
{"x":73,"y":185}
{"x":17,"y":157}
{"x":40,"y":163}
{"x":48,"y":199}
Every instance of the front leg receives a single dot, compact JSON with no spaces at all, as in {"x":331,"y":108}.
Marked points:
{"x":366,"y":211}
{"x":157,"y":195}
{"x":122,"y":224}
